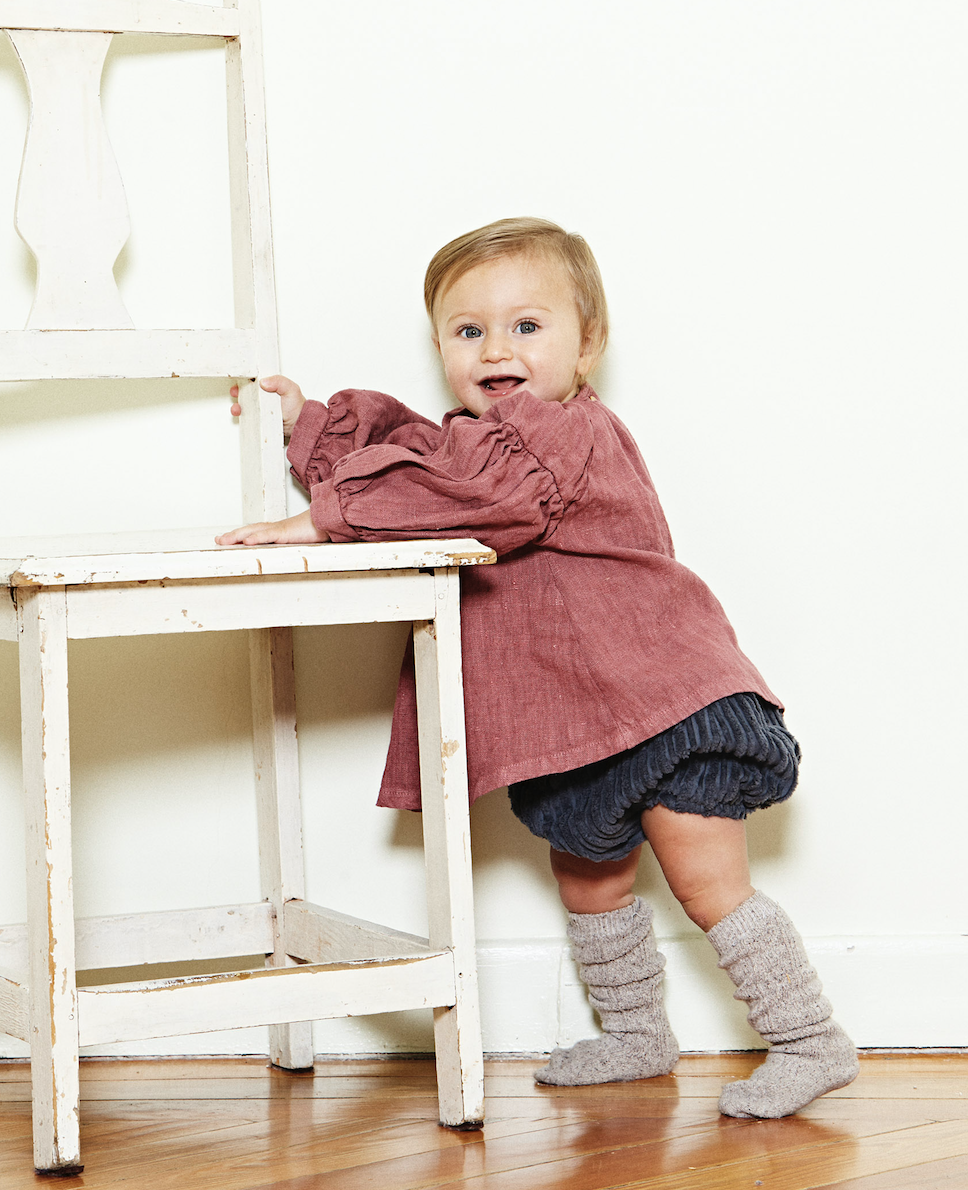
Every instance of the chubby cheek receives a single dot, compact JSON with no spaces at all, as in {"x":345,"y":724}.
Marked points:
{"x":456,"y":377}
{"x":549,"y":371}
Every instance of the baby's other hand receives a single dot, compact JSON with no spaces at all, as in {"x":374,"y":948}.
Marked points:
{"x":290,"y":398}
{"x":293,"y":530}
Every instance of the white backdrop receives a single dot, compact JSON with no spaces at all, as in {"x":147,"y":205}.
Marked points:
{"x":776,"y":193}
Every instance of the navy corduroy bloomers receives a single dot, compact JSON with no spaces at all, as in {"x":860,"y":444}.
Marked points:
{"x":734,"y":756}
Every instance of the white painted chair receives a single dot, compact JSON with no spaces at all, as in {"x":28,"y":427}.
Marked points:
{"x":71,"y":212}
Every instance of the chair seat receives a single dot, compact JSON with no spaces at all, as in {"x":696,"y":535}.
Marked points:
{"x":86,"y":559}
{"x":133,"y":584}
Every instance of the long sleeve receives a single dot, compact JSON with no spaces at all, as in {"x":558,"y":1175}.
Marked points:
{"x":352,"y":419}
{"x":505,"y":478}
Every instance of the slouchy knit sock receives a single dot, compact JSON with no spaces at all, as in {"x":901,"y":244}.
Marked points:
{"x":620,"y":965}
{"x":810,"y":1053}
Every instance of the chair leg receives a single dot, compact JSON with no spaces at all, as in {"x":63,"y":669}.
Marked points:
{"x":446,"y":826}
{"x":278,"y":805}
{"x":50,"y":911}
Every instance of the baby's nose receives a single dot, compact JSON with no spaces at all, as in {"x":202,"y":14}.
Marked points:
{"x":496,"y":347}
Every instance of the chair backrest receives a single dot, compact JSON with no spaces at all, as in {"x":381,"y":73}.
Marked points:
{"x":72,"y":214}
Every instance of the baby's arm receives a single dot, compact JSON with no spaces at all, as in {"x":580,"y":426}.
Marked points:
{"x":359,"y":417}
{"x":290,"y":397}
{"x":505,"y":478}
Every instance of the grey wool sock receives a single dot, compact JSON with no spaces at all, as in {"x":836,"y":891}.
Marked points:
{"x":622,"y":969}
{"x":810,"y":1053}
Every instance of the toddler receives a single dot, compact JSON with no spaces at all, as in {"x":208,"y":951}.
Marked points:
{"x":603,"y":683}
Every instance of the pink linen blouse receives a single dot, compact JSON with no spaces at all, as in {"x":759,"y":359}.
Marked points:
{"x":588,"y":636}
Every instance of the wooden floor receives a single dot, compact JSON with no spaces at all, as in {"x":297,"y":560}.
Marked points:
{"x":371,"y":1125}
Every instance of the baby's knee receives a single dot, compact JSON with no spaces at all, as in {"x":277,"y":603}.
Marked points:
{"x":707,"y":905}
{"x":589,"y":887}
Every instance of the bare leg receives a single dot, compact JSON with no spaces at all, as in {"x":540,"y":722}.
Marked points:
{"x":610,"y":930}
{"x":705,"y":863}
{"x":588,"y":887}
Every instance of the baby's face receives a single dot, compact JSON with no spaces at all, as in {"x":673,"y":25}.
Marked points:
{"x":508,"y":325}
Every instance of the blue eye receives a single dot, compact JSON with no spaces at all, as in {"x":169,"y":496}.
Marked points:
{"x":469,"y":332}
{"x":527,"y":327}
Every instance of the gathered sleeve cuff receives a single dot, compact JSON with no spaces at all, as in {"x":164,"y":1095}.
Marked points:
{"x":351,"y":420}
{"x":306,"y":433}
{"x":325,"y":512}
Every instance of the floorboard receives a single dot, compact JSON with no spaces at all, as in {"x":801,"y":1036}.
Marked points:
{"x":238,"y":1124}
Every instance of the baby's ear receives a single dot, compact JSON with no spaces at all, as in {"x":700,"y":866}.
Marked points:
{"x":591,"y":351}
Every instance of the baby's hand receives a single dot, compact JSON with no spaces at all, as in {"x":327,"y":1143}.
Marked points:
{"x":293,"y":530}
{"x":290,"y":397}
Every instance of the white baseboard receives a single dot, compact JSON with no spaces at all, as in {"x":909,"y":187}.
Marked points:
{"x":888,"y":992}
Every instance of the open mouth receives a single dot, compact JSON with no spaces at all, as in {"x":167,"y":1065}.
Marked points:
{"x":502,"y":385}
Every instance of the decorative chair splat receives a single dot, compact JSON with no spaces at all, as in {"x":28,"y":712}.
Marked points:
{"x":71,"y":208}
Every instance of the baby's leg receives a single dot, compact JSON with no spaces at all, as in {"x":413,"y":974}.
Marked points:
{"x":611,"y":935}
{"x":589,"y":887}
{"x":704,"y":861}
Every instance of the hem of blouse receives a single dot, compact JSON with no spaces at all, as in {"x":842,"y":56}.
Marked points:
{"x":627,"y":736}
{"x":400,"y":798}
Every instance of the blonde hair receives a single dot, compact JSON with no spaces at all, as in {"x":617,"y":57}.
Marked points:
{"x":522,"y":237}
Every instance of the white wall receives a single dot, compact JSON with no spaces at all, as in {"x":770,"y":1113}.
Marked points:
{"x":776,"y":192}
